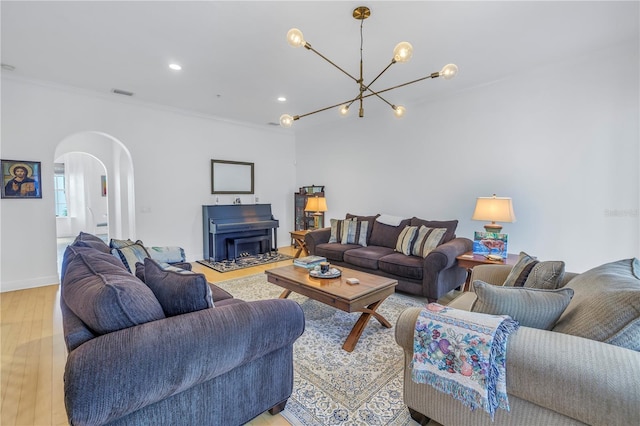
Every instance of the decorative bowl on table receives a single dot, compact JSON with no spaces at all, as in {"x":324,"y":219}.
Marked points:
{"x":331,"y":273}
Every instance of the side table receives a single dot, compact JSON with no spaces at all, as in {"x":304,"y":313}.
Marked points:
{"x":469,"y":260}
{"x":298,"y":238}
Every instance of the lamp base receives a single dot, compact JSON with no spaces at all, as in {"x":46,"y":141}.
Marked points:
{"x":493,"y":227}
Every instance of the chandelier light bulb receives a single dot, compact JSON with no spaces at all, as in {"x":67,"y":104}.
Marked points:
{"x":286,"y":120}
{"x":344,"y":109}
{"x":295,"y":38}
{"x":399,"y":111}
{"x":449,"y":71}
{"x":403,"y":52}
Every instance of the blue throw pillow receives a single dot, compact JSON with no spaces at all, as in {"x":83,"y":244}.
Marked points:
{"x":179,"y":291}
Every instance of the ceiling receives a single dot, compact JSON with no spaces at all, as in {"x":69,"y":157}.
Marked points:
{"x":236,"y":61}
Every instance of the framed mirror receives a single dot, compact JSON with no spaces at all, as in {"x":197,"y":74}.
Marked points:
{"x":231,"y":177}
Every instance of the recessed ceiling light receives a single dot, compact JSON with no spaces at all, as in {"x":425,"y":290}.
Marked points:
{"x":175,"y":67}
{"x":282,"y":99}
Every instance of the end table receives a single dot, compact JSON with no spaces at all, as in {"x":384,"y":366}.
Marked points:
{"x":469,"y":260}
{"x":298,"y":238}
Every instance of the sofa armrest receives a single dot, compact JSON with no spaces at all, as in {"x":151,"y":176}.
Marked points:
{"x":315,"y":237}
{"x":138,"y":366}
{"x":491,"y":274}
{"x":593,"y":382}
{"x":444,"y":256}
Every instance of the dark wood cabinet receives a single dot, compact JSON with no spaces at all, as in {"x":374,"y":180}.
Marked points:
{"x":305,"y":220}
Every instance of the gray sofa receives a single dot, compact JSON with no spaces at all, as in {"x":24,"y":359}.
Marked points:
{"x":176,"y":350}
{"x":584,"y":370}
{"x":432,"y":276}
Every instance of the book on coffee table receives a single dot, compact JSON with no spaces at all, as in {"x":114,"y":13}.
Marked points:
{"x":309,"y":262}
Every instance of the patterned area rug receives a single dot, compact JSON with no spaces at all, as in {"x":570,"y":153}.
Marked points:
{"x":332,"y":386}
{"x":245,"y":262}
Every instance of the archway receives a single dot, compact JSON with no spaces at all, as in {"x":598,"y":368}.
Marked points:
{"x":118,"y":166}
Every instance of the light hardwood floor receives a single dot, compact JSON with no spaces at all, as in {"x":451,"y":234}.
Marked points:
{"x":34,"y":354}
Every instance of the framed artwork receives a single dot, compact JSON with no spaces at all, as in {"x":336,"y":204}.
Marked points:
{"x":231,"y":177}
{"x":103,"y":185}
{"x":486,"y":243}
{"x":21,"y":179}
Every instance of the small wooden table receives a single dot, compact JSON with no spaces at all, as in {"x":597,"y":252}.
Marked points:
{"x":298,"y":237}
{"x":365,"y":297}
{"x":469,"y":260}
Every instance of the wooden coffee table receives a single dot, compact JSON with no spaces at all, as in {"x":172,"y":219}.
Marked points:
{"x":365,"y":297}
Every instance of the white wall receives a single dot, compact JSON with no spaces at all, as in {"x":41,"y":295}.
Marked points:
{"x":171,"y":154}
{"x":562,"y":141}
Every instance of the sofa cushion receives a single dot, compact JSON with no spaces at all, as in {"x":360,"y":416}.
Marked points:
{"x":130,"y":255}
{"x":333,"y":251}
{"x":355,"y":232}
{"x":386,"y":235}
{"x":92,"y":241}
{"x":179,"y":291}
{"x":402,"y":265}
{"x":82,"y":247}
{"x":369,"y":219}
{"x":449,"y":225}
{"x":426,"y":240}
{"x":606,"y":305}
{"x":105,"y":296}
{"x":531,"y":307}
{"x":406,"y":239}
{"x":139,"y":272}
{"x":366,"y":257}
{"x":338,"y":227}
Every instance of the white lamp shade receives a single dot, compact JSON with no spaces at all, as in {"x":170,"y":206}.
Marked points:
{"x":316,"y":204}
{"x":495,"y":209}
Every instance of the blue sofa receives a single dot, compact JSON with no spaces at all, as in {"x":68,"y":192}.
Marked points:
{"x":138,"y":356}
{"x":432,"y":276}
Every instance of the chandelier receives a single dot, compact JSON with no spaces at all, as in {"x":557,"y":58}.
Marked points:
{"x":401,"y":53}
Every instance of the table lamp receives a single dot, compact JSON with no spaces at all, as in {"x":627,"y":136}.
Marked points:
{"x":494,"y":209}
{"x":317,"y":205}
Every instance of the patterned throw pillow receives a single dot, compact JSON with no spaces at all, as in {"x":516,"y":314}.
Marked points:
{"x":520,"y":270}
{"x":530,"y":273}
{"x":178,"y":291}
{"x":355,"y":232}
{"x":531,"y":307}
{"x":130,"y":255}
{"x":427,"y":240}
{"x":405,"y":239}
{"x":338,"y":229}
{"x":113,"y":243}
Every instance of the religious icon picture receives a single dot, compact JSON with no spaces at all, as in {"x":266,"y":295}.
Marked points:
{"x":21,"y":179}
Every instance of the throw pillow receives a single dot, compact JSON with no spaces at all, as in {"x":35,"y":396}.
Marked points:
{"x":178,"y":291}
{"x":369,"y":219}
{"x":113,"y":243}
{"x":166,"y":254}
{"x":355,"y":232}
{"x":92,"y":241}
{"x":105,"y":296}
{"x":405,"y":239}
{"x":130,"y":255}
{"x":337,"y":229}
{"x":531,"y":307}
{"x":606,"y":305}
{"x":426,"y":240}
{"x":449,"y":225}
{"x":520,"y":271}
{"x":545,"y":275}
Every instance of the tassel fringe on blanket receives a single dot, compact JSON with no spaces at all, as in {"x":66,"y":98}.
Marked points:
{"x":463,"y":354}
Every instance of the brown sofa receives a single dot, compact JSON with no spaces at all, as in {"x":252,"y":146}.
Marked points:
{"x":432,"y":276}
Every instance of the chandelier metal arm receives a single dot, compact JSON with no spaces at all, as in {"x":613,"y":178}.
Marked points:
{"x":308,"y":47}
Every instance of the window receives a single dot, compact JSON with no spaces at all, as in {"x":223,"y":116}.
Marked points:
{"x":59,"y":190}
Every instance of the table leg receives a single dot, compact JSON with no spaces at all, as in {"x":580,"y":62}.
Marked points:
{"x":353,"y":337}
{"x":285,"y":294}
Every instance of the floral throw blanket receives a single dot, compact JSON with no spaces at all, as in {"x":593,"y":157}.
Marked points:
{"x":463,"y":354}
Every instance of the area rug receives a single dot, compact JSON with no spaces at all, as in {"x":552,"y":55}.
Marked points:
{"x":332,"y":386}
{"x":245,"y":262}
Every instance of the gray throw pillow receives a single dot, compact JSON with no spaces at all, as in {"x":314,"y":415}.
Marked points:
{"x":520,"y":270}
{"x":606,"y":305}
{"x":179,"y":291}
{"x":130,"y":255}
{"x":531,"y":307}
{"x":531,"y":273}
